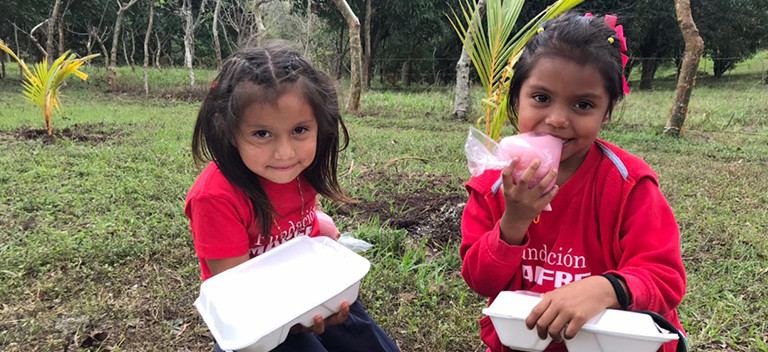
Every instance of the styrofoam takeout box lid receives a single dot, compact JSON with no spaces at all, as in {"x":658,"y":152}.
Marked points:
{"x":627,"y":324}
{"x":508,"y":312}
{"x":617,"y":330}
{"x":262,"y":297}
{"x":513,"y":304}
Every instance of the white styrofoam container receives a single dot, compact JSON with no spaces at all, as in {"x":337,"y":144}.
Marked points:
{"x":611,"y":330}
{"x":252,"y":306}
{"x":508,"y":312}
{"x":618,"y":330}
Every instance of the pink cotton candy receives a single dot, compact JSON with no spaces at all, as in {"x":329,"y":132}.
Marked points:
{"x":529,"y":147}
{"x":327,"y":226}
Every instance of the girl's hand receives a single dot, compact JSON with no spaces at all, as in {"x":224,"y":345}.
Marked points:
{"x":567,"y":308}
{"x":319,"y":324}
{"x":522,"y":203}
{"x":327,"y":226}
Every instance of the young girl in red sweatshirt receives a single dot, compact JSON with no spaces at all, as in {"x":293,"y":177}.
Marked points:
{"x":271,"y":132}
{"x":609,"y":220}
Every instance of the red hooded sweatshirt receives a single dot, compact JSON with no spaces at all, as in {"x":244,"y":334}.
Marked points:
{"x":609,"y":217}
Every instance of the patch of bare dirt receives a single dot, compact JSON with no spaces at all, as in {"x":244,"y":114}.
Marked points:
{"x":185,"y":93}
{"x":82,"y":132}
{"x":433,"y":210}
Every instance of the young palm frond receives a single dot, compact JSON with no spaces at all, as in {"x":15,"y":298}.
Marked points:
{"x":42,"y":82}
{"x":494,"y":49}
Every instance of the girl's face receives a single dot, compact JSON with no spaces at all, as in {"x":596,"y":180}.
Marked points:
{"x":278,"y":141}
{"x":568,"y":101}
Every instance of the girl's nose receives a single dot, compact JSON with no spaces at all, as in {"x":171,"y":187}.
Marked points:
{"x":558,"y":118}
{"x":284,"y":149}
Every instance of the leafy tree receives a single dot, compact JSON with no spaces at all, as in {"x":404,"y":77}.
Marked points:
{"x":651,"y":28}
{"x":732,"y":30}
{"x":399,"y":29}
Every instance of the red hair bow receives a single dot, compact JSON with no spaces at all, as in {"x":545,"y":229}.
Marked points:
{"x":610,"y":21}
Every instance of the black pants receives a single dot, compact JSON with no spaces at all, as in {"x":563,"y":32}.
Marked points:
{"x":359,"y":333}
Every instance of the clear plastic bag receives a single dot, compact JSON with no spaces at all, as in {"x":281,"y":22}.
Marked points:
{"x":355,"y":244}
{"x":328,"y":228}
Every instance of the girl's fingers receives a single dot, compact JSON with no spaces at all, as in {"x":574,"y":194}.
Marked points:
{"x":533,"y":318}
{"x":543,"y":315}
{"x":527,"y":176}
{"x":507,"y":178}
{"x":547,"y":198}
{"x":319,"y":325}
{"x":573,"y":327}
{"x":547,"y":180}
{"x":557,"y":326}
{"x":340,"y":317}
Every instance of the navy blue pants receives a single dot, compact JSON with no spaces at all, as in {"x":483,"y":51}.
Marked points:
{"x":359,"y":333}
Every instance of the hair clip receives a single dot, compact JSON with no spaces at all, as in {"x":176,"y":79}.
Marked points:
{"x":541,"y":29}
{"x":610,"y":40}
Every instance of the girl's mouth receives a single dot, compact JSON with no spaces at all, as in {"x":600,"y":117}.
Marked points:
{"x":285,"y":168}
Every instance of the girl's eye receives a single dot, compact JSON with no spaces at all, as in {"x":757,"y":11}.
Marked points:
{"x":541,"y":98}
{"x":300,"y":130}
{"x":584,"y":105}
{"x":262,"y":134}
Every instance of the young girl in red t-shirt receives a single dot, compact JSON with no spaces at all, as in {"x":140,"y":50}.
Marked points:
{"x":611,"y":239}
{"x":271,"y":126}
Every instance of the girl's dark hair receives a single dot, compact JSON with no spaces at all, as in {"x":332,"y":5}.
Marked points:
{"x":583,"y":40}
{"x":262,"y":75}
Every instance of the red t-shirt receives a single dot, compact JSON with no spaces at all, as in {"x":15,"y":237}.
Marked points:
{"x":223,"y":224}
{"x":601,"y":222}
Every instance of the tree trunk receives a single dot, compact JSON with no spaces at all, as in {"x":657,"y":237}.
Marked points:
{"x":353,"y":104}
{"x":215,"y":29}
{"x":405,"y":74}
{"x":133,"y":51}
{"x":339,"y":52}
{"x":16,"y":36}
{"x":647,"y":73}
{"x":128,"y":61}
{"x":146,"y":46}
{"x":308,"y":43}
{"x":261,"y":31}
{"x":694,"y":48}
{"x":377,"y":38}
{"x":115,"y":39}
{"x":461,"y":103}
{"x":60,"y":25}
{"x":189,"y":39}
{"x":190,"y":26}
{"x":158,"y":52}
{"x":104,"y":50}
{"x":367,"y":52}
{"x":51,"y":28}
{"x":721,"y":66}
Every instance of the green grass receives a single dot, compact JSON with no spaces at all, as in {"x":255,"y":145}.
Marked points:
{"x":93,"y":236}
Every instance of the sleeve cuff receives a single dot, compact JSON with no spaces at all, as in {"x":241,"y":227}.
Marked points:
{"x":502,"y":251}
{"x":636,"y":288}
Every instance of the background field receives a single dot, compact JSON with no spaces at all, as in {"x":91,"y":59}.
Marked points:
{"x":95,"y":252}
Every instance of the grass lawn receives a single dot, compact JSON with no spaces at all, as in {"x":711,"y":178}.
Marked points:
{"x":95,"y":251}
